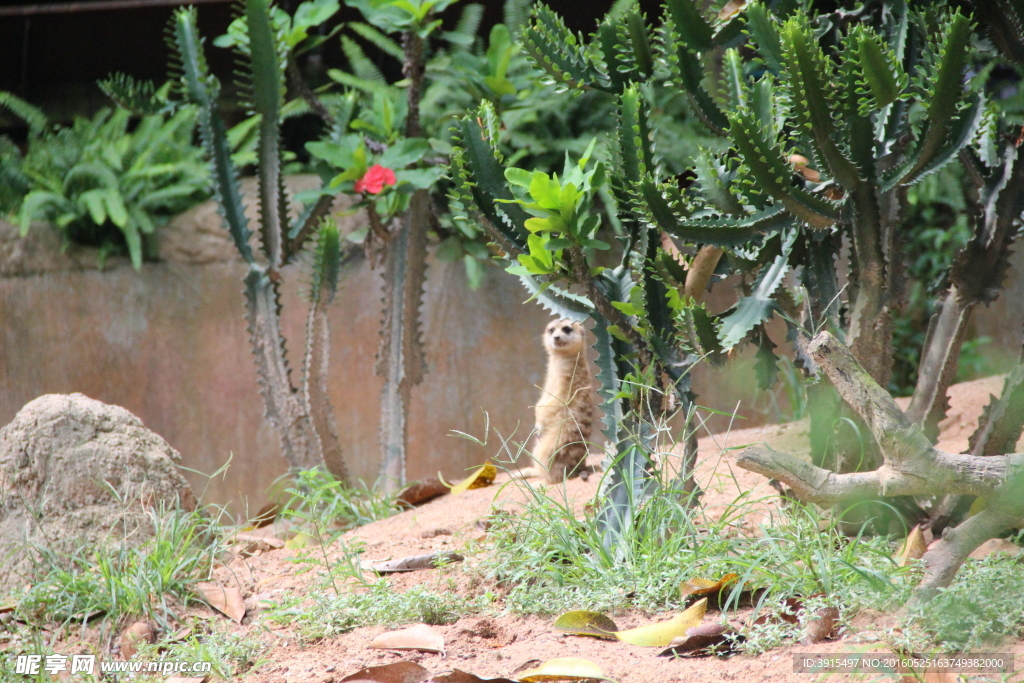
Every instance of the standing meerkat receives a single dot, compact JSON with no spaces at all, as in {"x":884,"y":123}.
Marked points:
{"x":566,"y":406}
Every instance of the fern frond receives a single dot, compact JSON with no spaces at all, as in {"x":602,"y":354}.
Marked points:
{"x":139,"y":97}
{"x":378,"y":39}
{"x":361,"y":65}
{"x":30,"y":114}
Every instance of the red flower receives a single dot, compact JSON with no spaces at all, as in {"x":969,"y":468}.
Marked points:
{"x":376,"y":179}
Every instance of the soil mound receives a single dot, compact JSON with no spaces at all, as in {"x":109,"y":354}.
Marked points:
{"x":74,"y":470}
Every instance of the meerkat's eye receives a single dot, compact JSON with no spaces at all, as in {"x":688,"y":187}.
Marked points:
{"x":567,"y":329}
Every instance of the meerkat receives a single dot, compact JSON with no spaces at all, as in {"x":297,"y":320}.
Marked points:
{"x":565,"y":410}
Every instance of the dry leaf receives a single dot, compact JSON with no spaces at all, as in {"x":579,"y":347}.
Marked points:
{"x":933,"y":675}
{"x":185,"y":679}
{"x":228,"y":601}
{"x":271,"y":542}
{"x":661,"y":634}
{"x":457,"y":676}
{"x":139,"y":632}
{"x":995,"y":545}
{"x":821,"y":626}
{"x":266,"y":516}
{"x":414,"y":562}
{"x":790,"y":608}
{"x":478,"y":478}
{"x":399,"y":672}
{"x":180,"y":635}
{"x":585,"y":623}
{"x":563,"y":669}
{"x":698,"y":586}
{"x":420,"y":492}
{"x":913,"y":547}
{"x":731,"y":9}
{"x":417,"y":637}
{"x":704,"y":640}
{"x":300,"y":540}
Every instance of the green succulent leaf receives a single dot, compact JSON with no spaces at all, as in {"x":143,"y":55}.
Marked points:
{"x":754,"y":309}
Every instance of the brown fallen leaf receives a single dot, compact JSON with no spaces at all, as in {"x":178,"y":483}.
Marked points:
{"x":228,"y":601}
{"x":700,"y":587}
{"x":414,"y":562}
{"x":266,"y":516}
{"x":586,"y":623}
{"x":563,"y":669}
{"x":416,"y":637}
{"x":705,"y":640}
{"x":731,"y":9}
{"x":399,"y":672}
{"x":458,"y":676}
{"x":913,"y":547}
{"x":180,"y":635}
{"x":995,"y":545}
{"x":421,"y":492}
{"x":271,"y":542}
{"x":139,"y":632}
{"x":790,"y":609}
{"x":821,"y":626}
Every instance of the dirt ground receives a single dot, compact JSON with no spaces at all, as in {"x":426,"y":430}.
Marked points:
{"x":493,"y":646}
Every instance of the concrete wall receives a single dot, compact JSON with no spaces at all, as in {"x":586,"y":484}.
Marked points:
{"x":169,"y":343}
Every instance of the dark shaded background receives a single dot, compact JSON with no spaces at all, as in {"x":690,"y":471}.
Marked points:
{"x":53,"y":55}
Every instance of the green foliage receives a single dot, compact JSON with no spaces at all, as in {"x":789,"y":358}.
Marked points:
{"x":824,"y":129}
{"x":103,"y":183}
{"x":972,"y":613}
{"x":377,"y":602}
{"x":303,"y":416}
{"x":123,"y":581}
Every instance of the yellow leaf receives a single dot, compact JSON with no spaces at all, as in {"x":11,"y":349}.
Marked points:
{"x":699,"y":586}
{"x":913,"y":547}
{"x":480,"y":477}
{"x":563,"y":669}
{"x":585,"y":623}
{"x":300,"y":540}
{"x":660,"y":635}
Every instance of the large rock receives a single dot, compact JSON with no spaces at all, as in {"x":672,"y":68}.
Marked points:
{"x":74,"y":472}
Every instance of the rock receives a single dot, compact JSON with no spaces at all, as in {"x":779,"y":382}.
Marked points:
{"x":75,"y":471}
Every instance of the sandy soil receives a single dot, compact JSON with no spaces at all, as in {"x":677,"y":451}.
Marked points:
{"x":492,"y":646}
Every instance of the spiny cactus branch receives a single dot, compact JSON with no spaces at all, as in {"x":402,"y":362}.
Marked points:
{"x":605,"y":308}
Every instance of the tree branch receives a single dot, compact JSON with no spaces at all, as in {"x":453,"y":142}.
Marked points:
{"x":912,"y":466}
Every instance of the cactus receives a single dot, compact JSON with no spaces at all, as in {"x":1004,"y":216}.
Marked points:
{"x":826,"y":125}
{"x":301,"y":415}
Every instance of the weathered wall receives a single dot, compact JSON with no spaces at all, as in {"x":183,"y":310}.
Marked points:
{"x":169,"y":344}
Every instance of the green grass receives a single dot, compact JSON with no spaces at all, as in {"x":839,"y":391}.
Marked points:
{"x":371,"y":603}
{"x":552,"y":562}
{"x":316,"y":498}
{"x":118,"y":581}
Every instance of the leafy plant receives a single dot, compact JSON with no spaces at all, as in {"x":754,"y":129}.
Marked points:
{"x":303,"y":416}
{"x":122,"y":581}
{"x":828,"y":122}
{"x":103,"y":183}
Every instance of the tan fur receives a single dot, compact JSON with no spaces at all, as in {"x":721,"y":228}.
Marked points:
{"x":566,"y":407}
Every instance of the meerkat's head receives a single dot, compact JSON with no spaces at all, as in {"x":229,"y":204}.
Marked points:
{"x":563,"y":337}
